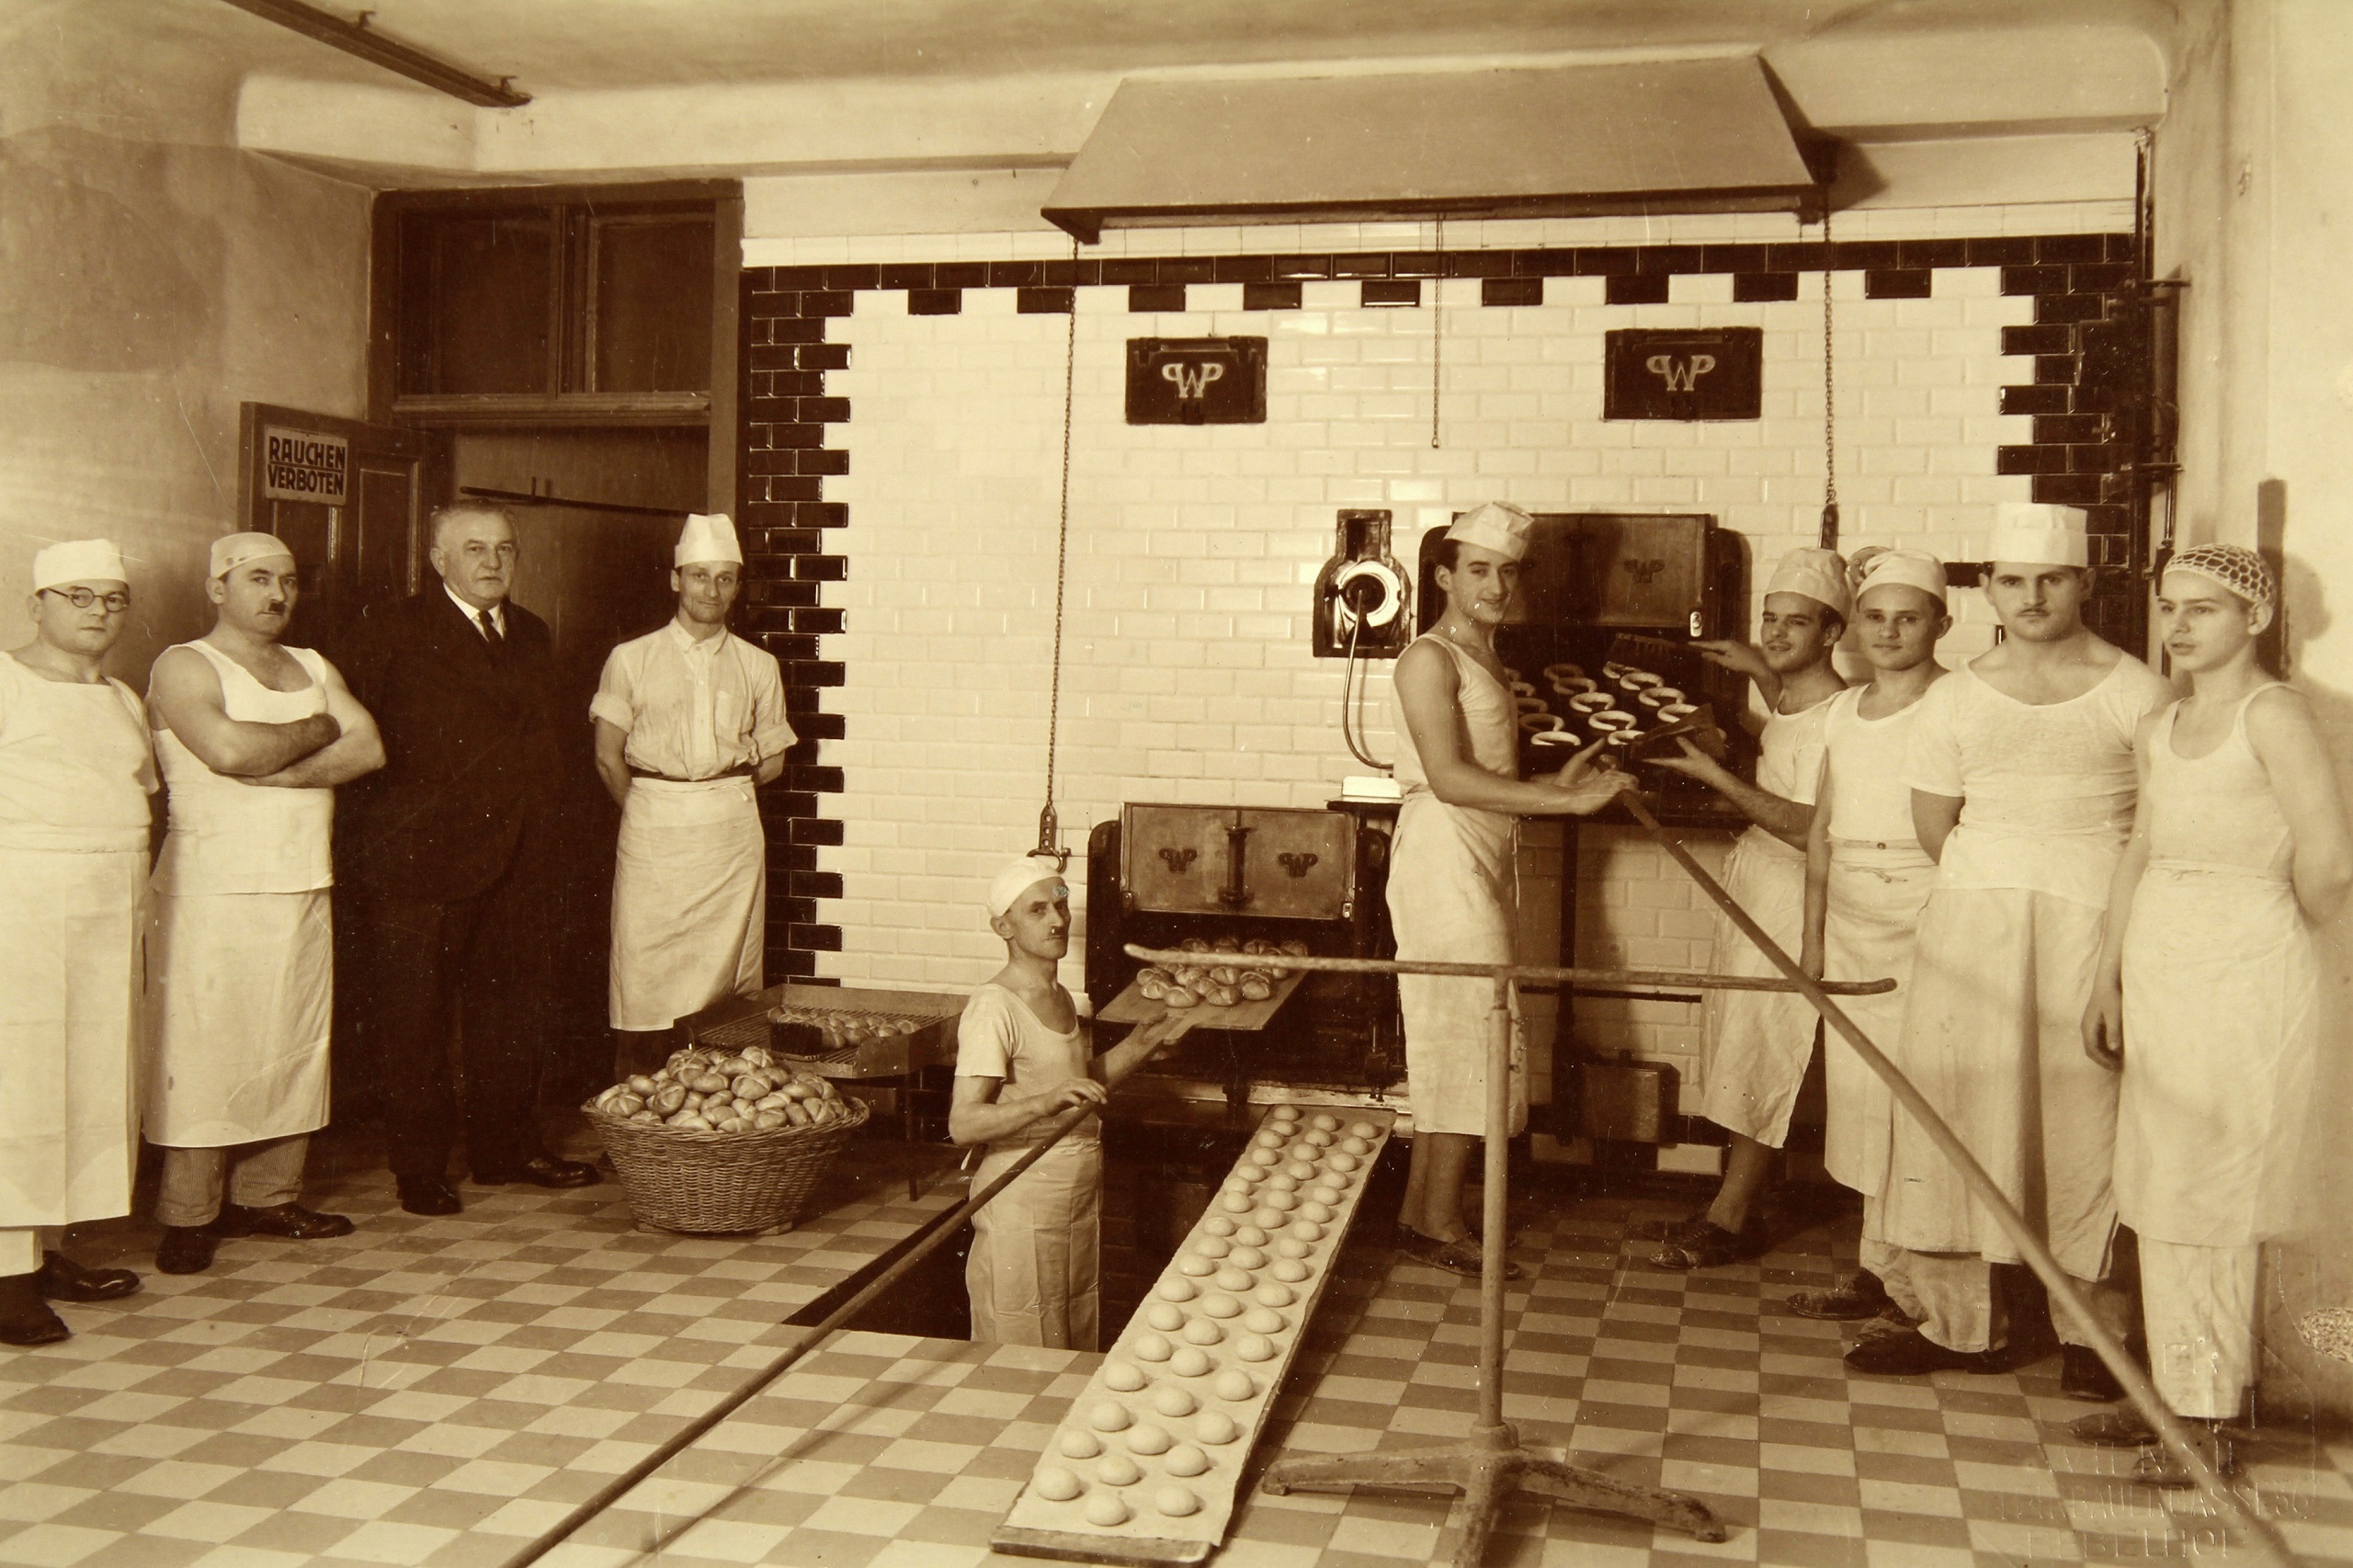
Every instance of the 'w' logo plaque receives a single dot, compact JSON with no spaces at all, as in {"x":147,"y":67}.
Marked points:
{"x":1197,"y":381}
{"x":1714,"y":374}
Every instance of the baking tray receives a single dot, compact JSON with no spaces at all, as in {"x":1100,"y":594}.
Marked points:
{"x":1132,"y":1007}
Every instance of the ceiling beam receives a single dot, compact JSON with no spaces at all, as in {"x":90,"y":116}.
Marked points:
{"x":358,"y":39}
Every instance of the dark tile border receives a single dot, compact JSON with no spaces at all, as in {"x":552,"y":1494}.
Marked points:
{"x":2087,"y":354}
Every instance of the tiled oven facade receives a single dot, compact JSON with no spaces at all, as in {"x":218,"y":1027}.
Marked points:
{"x":902,"y":471}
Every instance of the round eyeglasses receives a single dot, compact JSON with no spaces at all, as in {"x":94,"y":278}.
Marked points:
{"x":83,"y":599}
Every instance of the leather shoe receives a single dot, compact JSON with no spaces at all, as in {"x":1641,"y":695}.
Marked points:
{"x":540,"y":1170}
{"x":63,"y":1279}
{"x":1912,"y":1354}
{"x":2082,"y":1375}
{"x":427,"y":1195}
{"x":186,"y":1249}
{"x":290,"y":1222}
{"x":25,"y":1318}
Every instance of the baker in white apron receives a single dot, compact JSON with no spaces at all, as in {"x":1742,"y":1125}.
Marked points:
{"x":1453,"y":867}
{"x":1755,"y":1045}
{"x":690,"y":720}
{"x":2208,"y":987}
{"x":1867,"y":879}
{"x":2021,"y":765}
{"x":251,"y":738}
{"x":75,"y":773}
{"x":1023,"y":1058}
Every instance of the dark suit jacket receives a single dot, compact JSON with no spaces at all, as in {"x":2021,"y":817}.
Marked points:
{"x":470,"y":742}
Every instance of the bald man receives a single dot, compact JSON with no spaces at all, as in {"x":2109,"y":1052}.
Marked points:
{"x":456,"y":844}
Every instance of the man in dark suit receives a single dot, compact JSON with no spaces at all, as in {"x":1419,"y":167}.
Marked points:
{"x":455,"y":846}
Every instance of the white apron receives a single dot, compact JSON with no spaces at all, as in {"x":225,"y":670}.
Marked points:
{"x":1869,"y":932}
{"x":75,"y":774}
{"x":1879,"y":882}
{"x":2009,"y":943}
{"x":1756,"y":1044}
{"x":2221,"y":1007}
{"x":1034,"y":1269}
{"x":690,"y":900}
{"x":241,"y":1001}
{"x":1033,"y":1273}
{"x":1453,"y":894}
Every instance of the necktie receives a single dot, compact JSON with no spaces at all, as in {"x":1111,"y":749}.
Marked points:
{"x":490,"y":631}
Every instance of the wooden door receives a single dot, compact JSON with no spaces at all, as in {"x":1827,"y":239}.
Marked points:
{"x":345,"y":496}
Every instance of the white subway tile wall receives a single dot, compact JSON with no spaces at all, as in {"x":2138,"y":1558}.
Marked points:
{"x":1192,"y":553}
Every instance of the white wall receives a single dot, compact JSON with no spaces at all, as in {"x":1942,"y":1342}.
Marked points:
{"x":2257,"y":179}
{"x":152,"y":278}
{"x":1187,"y":674}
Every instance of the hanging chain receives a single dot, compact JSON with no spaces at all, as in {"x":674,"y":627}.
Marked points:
{"x":1437,"y":338}
{"x":1829,"y":398}
{"x":1048,"y":825}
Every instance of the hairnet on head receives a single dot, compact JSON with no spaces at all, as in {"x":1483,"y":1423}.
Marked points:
{"x":2234,"y":566}
{"x":1018,"y":878}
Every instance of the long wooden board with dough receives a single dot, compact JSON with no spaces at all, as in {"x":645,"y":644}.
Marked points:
{"x":1146,"y":1467}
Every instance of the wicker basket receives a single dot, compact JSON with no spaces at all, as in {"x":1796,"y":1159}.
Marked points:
{"x":714,"y":1182}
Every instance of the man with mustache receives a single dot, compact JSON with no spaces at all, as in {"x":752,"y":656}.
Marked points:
{"x":2021,"y":768}
{"x":252,"y":737}
{"x":688,"y":719}
{"x":1024,"y":1057}
{"x":457,"y":840}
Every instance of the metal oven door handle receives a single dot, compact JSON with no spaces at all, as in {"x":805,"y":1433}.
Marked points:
{"x":1236,"y":894}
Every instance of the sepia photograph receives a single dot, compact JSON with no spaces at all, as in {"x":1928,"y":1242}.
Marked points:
{"x":1274,"y":783}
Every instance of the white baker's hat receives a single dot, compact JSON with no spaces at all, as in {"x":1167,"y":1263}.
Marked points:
{"x":1819,"y":574}
{"x":1018,"y":877}
{"x":708,"y":535}
{"x":1495,"y":524}
{"x":78,"y":561}
{"x":1876,"y":566}
{"x":233,"y":551}
{"x":2033,"y":533}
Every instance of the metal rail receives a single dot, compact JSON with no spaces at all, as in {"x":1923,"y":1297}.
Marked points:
{"x":1515,"y":972}
{"x":2136,"y":1384}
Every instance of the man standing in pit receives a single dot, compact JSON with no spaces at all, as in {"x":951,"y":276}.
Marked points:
{"x":689,"y":720}
{"x":2021,"y":769}
{"x":252,"y":736}
{"x":75,"y":773}
{"x":1024,"y":1057}
{"x":1756,"y":1044}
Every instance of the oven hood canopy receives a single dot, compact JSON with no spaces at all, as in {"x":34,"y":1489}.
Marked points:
{"x":1663,"y":135}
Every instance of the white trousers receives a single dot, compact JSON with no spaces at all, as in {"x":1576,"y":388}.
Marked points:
{"x":2198,"y":1305}
{"x":1889,"y":1262}
{"x":1958,"y":1310}
{"x":20,"y":1249}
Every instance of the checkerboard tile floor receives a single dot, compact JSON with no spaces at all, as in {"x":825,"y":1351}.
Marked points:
{"x":435,"y":1393}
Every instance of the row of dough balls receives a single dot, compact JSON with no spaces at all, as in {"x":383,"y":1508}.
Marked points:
{"x":1270,"y":1194}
